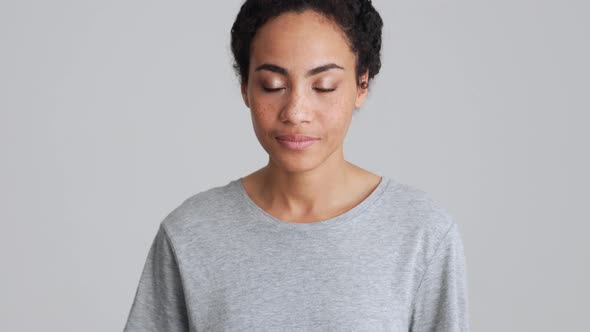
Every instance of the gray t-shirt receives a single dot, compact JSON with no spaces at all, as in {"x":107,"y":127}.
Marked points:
{"x":219,"y":262}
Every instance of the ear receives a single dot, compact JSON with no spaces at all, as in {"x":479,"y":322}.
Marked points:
{"x":362,"y":94}
{"x":244,"y":90}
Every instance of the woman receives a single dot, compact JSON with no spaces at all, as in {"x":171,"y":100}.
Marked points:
{"x":309,"y":241}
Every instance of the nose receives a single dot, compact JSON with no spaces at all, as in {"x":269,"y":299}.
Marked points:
{"x":296,"y":109}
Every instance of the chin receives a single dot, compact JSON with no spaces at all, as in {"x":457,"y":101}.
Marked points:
{"x":295,"y":164}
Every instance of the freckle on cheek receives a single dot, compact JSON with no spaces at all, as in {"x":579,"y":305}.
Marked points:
{"x":263,"y":112}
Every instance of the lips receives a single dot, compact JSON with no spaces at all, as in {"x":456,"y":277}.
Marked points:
{"x":296,"y":138}
{"x":296,"y":145}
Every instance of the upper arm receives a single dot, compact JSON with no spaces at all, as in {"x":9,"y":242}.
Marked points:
{"x":440,"y":302}
{"x":159,"y":303}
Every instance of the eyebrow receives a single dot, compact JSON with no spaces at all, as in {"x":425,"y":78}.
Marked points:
{"x":284,"y":72}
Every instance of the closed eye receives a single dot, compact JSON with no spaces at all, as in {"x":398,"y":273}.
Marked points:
{"x":279,"y":89}
{"x":324,"y":90}
{"x":271,"y":90}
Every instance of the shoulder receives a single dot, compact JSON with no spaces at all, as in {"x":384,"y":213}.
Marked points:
{"x":201,"y":209}
{"x":417,"y":211}
{"x":419,"y":220}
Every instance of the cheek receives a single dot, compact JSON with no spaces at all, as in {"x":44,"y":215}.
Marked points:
{"x":263,"y":116}
{"x":341,"y":101}
{"x":262,"y":113}
{"x":338,"y":116}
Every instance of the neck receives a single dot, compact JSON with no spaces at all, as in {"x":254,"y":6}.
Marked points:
{"x":308,"y":192}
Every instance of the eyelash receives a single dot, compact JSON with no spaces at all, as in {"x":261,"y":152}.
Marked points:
{"x":278,"y":89}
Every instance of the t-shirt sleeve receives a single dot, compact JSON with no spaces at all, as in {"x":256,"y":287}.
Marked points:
{"x":441,"y":303}
{"x":159,"y":303}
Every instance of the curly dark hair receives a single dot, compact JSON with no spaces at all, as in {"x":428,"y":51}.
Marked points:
{"x":358,"y":19}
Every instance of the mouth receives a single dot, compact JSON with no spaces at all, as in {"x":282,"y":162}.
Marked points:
{"x":296,"y":137}
{"x":296,"y":144}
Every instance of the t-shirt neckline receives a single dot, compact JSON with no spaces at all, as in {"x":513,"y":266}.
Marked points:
{"x":342,"y":218}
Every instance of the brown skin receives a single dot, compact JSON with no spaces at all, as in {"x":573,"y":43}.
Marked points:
{"x":316,"y":183}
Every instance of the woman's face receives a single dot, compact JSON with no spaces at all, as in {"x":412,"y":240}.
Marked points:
{"x":302,"y":81}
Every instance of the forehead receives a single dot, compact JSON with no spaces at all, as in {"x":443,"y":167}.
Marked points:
{"x":301,"y":39}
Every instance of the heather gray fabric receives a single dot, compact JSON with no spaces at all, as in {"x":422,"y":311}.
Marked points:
{"x":219,"y":262}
